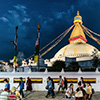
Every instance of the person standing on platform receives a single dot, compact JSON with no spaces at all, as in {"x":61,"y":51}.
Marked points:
{"x":49,"y":87}
{"x":79,"y":93}
{"x":53,"y":87}
{"x":61,"y":84}
{"x":29,"y":84}
{"x":69,"y":91}
{"x":7,"y":85}
{"x":21,"y":84}
{"x":65,"y":83}
{"x":89,"y":91}
{"x":82,"y":83}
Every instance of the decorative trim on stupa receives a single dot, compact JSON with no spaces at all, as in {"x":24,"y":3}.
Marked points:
{"x":78,"y":37}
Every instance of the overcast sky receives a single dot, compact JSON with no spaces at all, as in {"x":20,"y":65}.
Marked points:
{"x":54,"y":16}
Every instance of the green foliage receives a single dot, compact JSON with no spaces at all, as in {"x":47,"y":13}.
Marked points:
{"x":88,"y":69}
{"x":42,"y":70}
{"x":60,"y":64}
{"x":57,"y":66}
{"x":70,"y":69}
{"x":73,"y":66}
{"x":95,"y":61}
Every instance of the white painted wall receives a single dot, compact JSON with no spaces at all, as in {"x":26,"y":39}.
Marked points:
{"x":44,"y":75}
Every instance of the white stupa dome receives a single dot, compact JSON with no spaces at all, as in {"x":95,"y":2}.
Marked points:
{"x":76,"y":50}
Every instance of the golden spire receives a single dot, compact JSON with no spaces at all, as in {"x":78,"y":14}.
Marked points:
{"x":77,"y":13}
{"x":77,"y":35}
{"x":78,"y":18}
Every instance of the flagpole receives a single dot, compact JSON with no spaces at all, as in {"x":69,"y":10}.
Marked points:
{"x":39,"y":44}
{"x":15,"y":47}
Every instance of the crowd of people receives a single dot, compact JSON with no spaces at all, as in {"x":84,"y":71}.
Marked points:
{"x":13,"y":94}
{"x":84,"y":90}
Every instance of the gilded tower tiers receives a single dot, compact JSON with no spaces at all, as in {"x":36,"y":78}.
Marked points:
{"x":77,"y":35}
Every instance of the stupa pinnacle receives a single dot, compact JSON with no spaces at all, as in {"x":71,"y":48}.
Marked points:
{"x":78,"y":18}
{"x":77,"y":35}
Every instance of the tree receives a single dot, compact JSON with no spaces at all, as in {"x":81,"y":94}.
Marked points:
{"x":74,"y":65}
{"x":57,"y":66}
{"x":95,"y":61}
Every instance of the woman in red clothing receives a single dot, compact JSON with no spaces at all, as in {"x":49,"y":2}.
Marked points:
{"x":29,"y":84}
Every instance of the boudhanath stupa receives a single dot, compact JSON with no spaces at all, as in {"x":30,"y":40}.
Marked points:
{"x":78,"y":49}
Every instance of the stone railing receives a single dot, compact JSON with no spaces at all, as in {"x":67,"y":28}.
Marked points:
{"x":40,"y":78}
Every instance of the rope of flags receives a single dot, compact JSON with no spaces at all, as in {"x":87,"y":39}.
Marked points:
{"x":56,"y":41}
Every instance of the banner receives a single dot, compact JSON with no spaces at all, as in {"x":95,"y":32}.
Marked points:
{"x":17,"y":80}
{"x":36,"y":52}
{"x":2,"y":80}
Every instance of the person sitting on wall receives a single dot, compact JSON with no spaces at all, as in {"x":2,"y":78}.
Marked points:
{"x":69,"y":91}
{"x":7,"y":85}
{"x":21,"y":84}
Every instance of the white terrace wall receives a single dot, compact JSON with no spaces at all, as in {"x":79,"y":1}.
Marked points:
{"x":44,"y":75}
